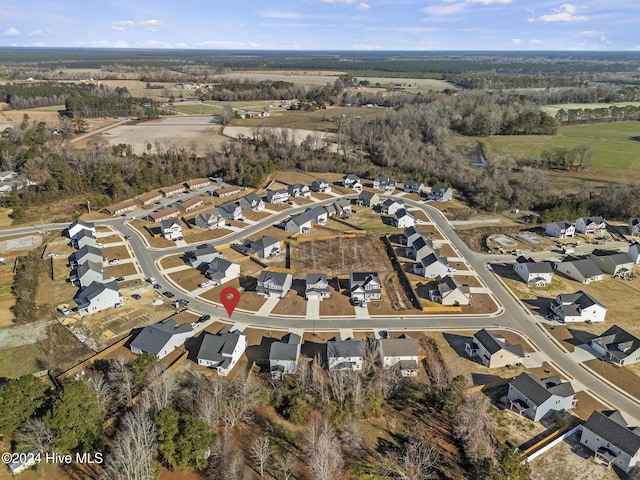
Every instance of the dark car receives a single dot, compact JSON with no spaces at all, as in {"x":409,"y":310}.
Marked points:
{"x":168,"y":294}
{"x":120,"y":279}
{"x":127,"y":237}
{"x":204,"y":318}
{"x":184,"y":302}
{"x":157,"y":286}
{"x":135,"y":296}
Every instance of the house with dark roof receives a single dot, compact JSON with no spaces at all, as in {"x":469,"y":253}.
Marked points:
{"x":209,"y":219}
{"x":634,"y":252}
{"x":617,"y":346}
{"x":562,"y":229}
{"x":230,"y":211}
{"x":277,"y":196}
{"x":403,"y":219}
{"x":318,"y":214}
{"x":364,"y":286}
{"x":402,"y":353}
{"x":419,"y":247}
{"x":591,"y":225}
{"x":412,"y":186}
{"x":634,"y":226}
{"x":220,"y":271}
{"x":162,"y":338}
{"x":344,"y":354}
{"x":390,"y":206}
{"x":171,"y":229}
{"x":410,"y":235}
{"x":300,"y":223}
{"x":578,"y":307}
{"x":494,"y":350}
{"x":450,"y":293}
{"x":321,"y":186}
{"x":273,"y":284}
{"x":538,"y":398}
{"x":384,"y":183}
{"x":86,"y":254}
{"x":222,"y":350}
{"x":76,"y":227}
{"x":265,"y":247}
{"x":531,"y":272}
{"x":298,"y":190}
{"x":583,"y":270}
{"x":351,"y":180}
{"x":89,"y":272}
{"x":618,"y":264}
{"x":432,"y":266}
{"x":440,"y":193}
{"x":164,"y":214}
{"x":227,"y":191}
{"x":85,"y":237}
{"x":98,"y":296}
{"x":251,"y":202}
{"x":283,"y":355}
{"x":612,"y":440}
{"x":368,"y":199}
{"x":317,"y":286}
{"x":342,"y":208}
{"x":191,"y":204}
{"x":203,"y":254}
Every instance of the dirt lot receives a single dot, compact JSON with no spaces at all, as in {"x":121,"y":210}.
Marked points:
{"x":54,"y":292}
{"x":365,"y":218}
{"x":111,"y":239}
{"x":120,"y":252}
{"x":204,"y":235}
{"x":154,"y":241}
{"x":622,"y":377}
{"x":172,"y":261}
{"x":121,"y":270}
{"x":294,"y":302}
{"x":188,"y":279}
{"x":337,"y":304}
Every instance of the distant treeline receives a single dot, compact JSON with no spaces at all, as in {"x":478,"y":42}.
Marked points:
{"x":116,"y":106}
{"x":612,"y":113}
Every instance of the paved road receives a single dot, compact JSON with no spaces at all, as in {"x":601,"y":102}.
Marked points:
{"x":513,"y":315}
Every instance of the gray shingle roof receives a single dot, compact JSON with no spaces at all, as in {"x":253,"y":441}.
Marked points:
{"x":615,"y":337}
{"x":494,"y":345}
{"x":540,"y":390}
{"x":278,"y":278}
{"x":399,"y":347}
{"x":585,"y":266}
{"x":218,"y":347}
{"x":264,"y":242}
{"x":535,"y":267}
{"x":344,"y":348}
{"x":613,"y":430}
{"x":152,"y":338}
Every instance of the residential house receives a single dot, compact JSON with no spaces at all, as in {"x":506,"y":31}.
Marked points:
{"x":432,"y":266}
{"x":283,"y":355}
{"x":197,"y":183}
{"x":578,"y":307}
{"x":171,"y":229}
{"x":172,"y":190}
{"x":533,"y":273}
{"x":403,"y":219}
{"x":538,"y":398}
{"x":222,"y":350}
{"x":384,"y":183}
{"x":277,"y":196}
{"x":560,"y":229}
{"x":202,"y":255}
{"x":227,"y":191}
{"x":583,"y":270}
{"x":634,"y":226}
{"x":402,"y":353}
{"x":98,"y":296}
{"x":450,"y":293}
{"x":298,"y":190}
{"x":273,"y":284}
{"x":634,"y":252}
{"x":191,"y":204}
{"x":351,"y":180}
{"x":420,"y":247}
{"x":344,"y":354}
{"x":164,"y":214}
{"x":300,"y":223}
{"x":84,"y":237}
{"x":617,"y":346}
{"x":162,"y":338}
{"x":265,"y":247}
{"x":364,"y":286}
{"x":612,"y":440}
{"x":317,"y":286}
{"x":86,"y":254}
{"x":342,"y":208}
{"x":230,"y":211}
{"x":411,"y":234}
{"x":321,"y":186}
{"x":440,"y":193}
{"x":76,"y":227}
{"x":221,"y":271}
{"x":210,"y":219}
{"x":614,"y":263}
{"x":318,"y":214}
{"x":591,"y":225}
{"x":89,"y":272}
{"x":251,"y":202}
{"x":413,"y":187}
{"x":368,"y":199}
{"x":391,"y":206}
{"x":494,"y":350}
{"x":121,"y":207}
{"x":149,"y":198}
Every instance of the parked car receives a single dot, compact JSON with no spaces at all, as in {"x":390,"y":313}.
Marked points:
{"x":135,"y":296}
{"x":127,"y":237}
{"x":206,"y":284}
{"x":65,"y":311}
{"x":151,"y":280}
{"x":157,"y":286}
{"x":114,"y":261}
{"x":120,"y":279}
{"x":168,"y":294}
{"x":184,"y":302}
{"x":204,"y":318}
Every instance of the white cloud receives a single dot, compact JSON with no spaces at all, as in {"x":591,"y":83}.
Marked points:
{"x":516,"y":41}
{"x":338,"y":2}
{"x":535,"y":41}
{"x":363,"y":6}
{"x":36,"y":33}
{"x":181,"y":45}
{"x":489,"y":2}
{"x":122,"y":25}
{"x":604,"y":39}
{"x":227,"y":44}
{"x":449,"y":8}
{"x":587,"y":33}
{"x":365,"y":46}
{"x":105,"y":44}
{"x":11,"y":32}
{"x":565,"y":13}
{"x":279,"y":14}
{"x":151,"y":25}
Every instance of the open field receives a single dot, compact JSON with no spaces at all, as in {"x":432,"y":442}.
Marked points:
{"x":553,"y":109}
{"x":298,"y":135}
{"x":616,"y":155}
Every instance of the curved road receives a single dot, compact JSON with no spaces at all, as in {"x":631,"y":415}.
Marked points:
{"x":513,"y":315}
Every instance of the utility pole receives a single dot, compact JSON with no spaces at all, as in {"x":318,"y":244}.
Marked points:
{"x":89,"y":206}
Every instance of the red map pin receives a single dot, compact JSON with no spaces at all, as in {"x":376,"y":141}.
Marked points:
{"x":230,"y":297}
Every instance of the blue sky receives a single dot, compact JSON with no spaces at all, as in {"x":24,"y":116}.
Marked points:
{"x":324,"y":24}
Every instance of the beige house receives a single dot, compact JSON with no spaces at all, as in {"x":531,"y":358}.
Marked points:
{"x":494,"y":350}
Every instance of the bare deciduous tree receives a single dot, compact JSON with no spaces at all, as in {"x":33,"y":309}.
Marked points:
{"x":320,"y":447}
{"x":35,"y":435}
{"x":475,"y":425}
{"x":285,"y":464}
{"x":414,"y":462}
{"x":121,"y":378}
{"x":261,"y":453}
{"x":162,"y":387}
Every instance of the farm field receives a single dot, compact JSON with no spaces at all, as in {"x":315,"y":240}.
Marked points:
{"x":616,"y":155}
{"x":553,"y":109}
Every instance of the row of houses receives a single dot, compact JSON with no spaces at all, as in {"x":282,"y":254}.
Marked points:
{"x":302,"y":222}
{"x":588,"y":226}
{"x":430,"y":264}
{"x":439,"y":193}
{"x":211,"y":262}
{"x":98,"y":291}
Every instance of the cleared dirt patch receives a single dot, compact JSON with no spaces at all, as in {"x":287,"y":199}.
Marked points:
{"x":586,"y":406}
{"x":204,"y":235}
{"x":172,"y":261}
{"x":122,"y":270}
{"x":619,"y":376}
{"x":188,"y":279}
{"x":294,"y":302}
{"x":337,"y":304}
{"x":145,"y":228}
{"x":120,"y":252}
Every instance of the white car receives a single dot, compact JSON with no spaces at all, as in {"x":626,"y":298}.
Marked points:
{"x":114,"y":261}
{"x":65,"y":311}
{"x":206,"y":284}
{"x":452,"y":269}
